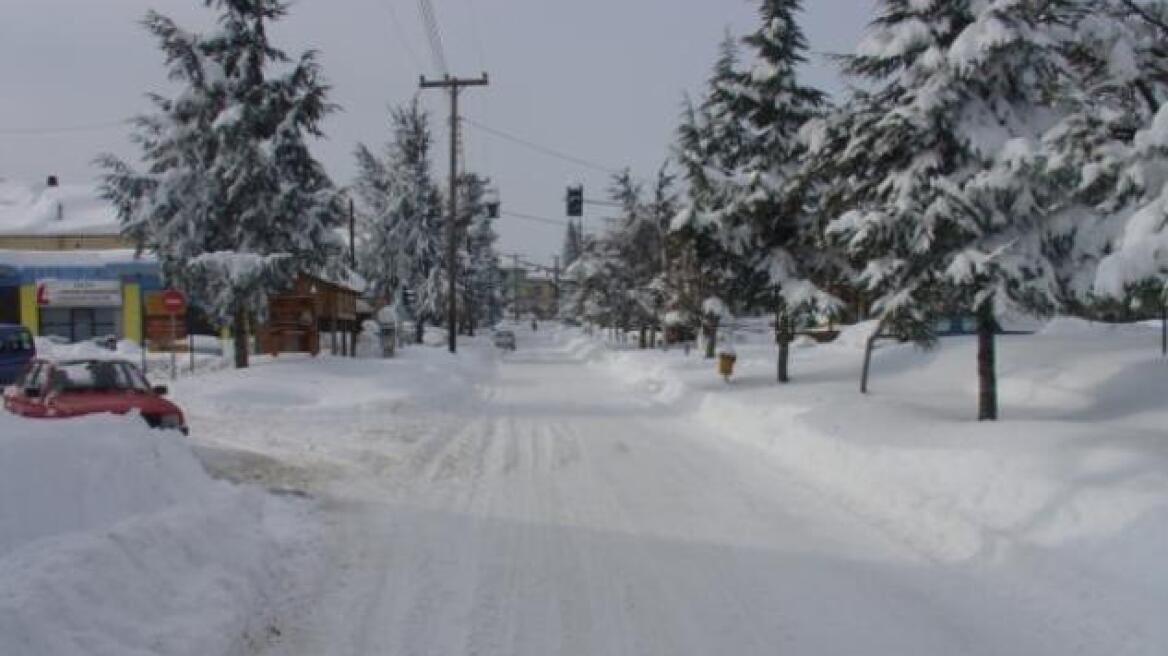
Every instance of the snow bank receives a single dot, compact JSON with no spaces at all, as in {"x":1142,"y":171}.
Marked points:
{"x":856,"y":336}
{"x":1069,"y":491}
{"x":208,"y":355}
{"x":124,"y":350}
{"x":113,"y":540}
{"x":1072,"y":327}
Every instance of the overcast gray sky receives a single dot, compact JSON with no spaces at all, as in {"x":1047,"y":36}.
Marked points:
{"x":601,"y":80}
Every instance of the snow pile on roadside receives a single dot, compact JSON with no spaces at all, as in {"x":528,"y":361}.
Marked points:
{"x":312,"y":421}
{"x":208,"y":354}
{"x":113,"y":540}
{"x":124,"y":350}
{"x":1070,"y":488}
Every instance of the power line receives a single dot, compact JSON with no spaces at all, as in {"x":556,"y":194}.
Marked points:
{"x":482,"y":155}
{"x":474,"y":32}
{"x":550,"y":152}
{"x":401,"y":35}
{"x":430,"y":23}
{"x":89,"y":127}
{"x":532,"y":217}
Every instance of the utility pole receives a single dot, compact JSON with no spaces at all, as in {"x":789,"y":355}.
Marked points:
{"x":556,"y":279}
{"x":352,"y":237}
{"x":454,"y":85}
{"x":515,"y":284}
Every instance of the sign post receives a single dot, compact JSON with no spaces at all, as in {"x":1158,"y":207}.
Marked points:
{"x":173,"y":302}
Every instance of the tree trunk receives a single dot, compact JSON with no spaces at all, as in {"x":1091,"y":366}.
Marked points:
{"x":869,"y":345}
{"x":987,"y":380}
{"x":643,"y":342}
{"x":783,"y":336}
{"x":419,"y":330}
{"x":239,"y":322}
{"x":711,"y":339}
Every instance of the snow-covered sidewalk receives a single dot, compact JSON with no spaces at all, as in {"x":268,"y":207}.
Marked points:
{"x":1065,"y":502}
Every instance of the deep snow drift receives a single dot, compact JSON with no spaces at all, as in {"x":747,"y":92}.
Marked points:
{"x":115,"y":541}
{"x":1069,"y":492}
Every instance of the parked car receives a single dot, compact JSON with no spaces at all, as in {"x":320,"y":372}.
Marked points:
{"x":17,"y":349}
{"x":505,"y":339}
{"x":72,"y":388}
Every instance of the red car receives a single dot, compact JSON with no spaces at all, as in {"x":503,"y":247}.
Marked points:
{"x":71,"y":388}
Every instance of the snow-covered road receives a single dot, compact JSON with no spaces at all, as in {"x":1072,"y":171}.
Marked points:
{"x":557,"y":512}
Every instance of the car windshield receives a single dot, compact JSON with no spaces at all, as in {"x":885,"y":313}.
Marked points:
{"x":16,"y":341}
{"x":97,"y":376}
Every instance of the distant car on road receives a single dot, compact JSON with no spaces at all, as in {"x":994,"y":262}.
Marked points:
{"x":17,"y":349}
{"x":73,"y":388}
{"x":505,"y":339}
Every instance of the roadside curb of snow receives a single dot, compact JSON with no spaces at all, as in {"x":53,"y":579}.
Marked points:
{"x":117,"y":542}
{"x":783,"y":434}
{"x":978,"y":505}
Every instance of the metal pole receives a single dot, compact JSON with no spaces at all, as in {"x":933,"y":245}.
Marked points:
{"x":454,"y":85}
{"x":173,"y":343}
{"x":190,"y":339}
{"x":452,"y":230}
{"x":515,"y":284}
{"x":142,"y":323}
{"x":556,"y":283}
{"x":352,"y":237}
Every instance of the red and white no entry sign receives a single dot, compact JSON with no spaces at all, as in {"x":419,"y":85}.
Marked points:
{"x":173,"y":301}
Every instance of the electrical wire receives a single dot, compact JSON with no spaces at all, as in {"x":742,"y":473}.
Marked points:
{"x":550,"y":152}
{"x":430,"y":24}
{"x":482,"y":154}
{"x":474,"y":33}
{"x":71,"y":129}
{"x":401,"y":35}
{"x":532,"y":217}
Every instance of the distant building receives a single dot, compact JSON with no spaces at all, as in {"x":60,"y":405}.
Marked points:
{"x":65,"y":269}
{"x":536,"y":292}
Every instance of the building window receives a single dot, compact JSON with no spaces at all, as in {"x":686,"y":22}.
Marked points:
{"x":9,"y":305}
{"x":79,"y":324}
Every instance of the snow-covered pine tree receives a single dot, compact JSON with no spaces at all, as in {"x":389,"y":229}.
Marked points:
{"x":1111,"y":151}
{"x":231,"y":201}
{"x":601,"y":294}
{"x":378,"y":256}
{"x":480,"y":271}
{"x":402,"y":218}
{"x":769,"y":222}
{"x":630,"y":249}
{"x":949,"y":206}
{"x":573,"y":244}
{"x":709,"y":149}
{"x":659,"y":212}
{"x":570,"y":252}
{"x":637,"y":237}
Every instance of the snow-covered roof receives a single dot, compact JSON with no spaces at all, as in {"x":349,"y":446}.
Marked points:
{"x":74,"y":258}
{"x":348,"y":279}
{"x":66,"y":209}
{"x":387,"y":315}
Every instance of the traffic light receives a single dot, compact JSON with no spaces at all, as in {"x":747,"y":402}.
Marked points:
{"x":491,"y":202}
{"x":576,"y":200}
